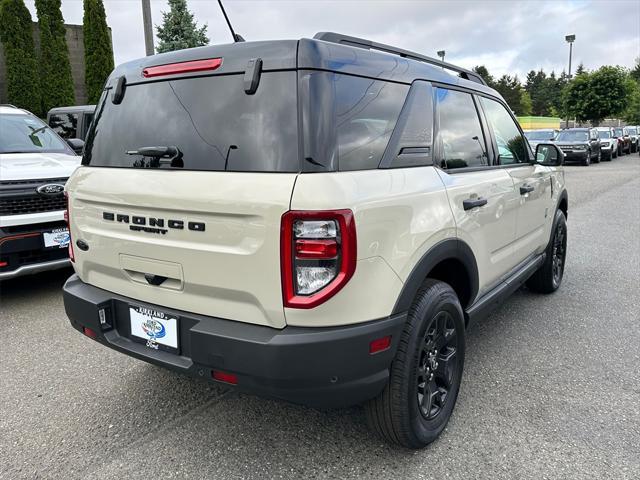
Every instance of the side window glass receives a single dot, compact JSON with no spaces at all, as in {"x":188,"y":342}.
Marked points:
{"x":512,"y":147}
{"x":462,"y":143}
{"x":86,"y":123}
{"x":64,"y":124}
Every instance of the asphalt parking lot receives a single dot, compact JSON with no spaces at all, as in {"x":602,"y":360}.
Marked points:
{"x":551,"y":387}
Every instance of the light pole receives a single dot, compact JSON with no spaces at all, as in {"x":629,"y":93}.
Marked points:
{"x":441,"y":54}
{"x":148,"y":29}
{"x":570,"y":39}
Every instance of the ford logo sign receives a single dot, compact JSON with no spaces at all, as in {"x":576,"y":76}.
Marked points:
{"x":50,"y":189}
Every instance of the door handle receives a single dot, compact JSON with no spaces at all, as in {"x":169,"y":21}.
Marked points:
{"x":524,"y":189}
{"x":470,"y":203}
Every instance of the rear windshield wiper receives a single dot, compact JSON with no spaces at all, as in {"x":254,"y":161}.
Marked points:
{"x":160,"y":155}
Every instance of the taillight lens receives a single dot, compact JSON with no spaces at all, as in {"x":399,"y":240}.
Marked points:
{"x":67,"y":219}
{"x":318,"y":255}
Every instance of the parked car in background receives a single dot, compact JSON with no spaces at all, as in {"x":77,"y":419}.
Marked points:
{"x":624,"y":142}
{"x":71,"y":122}
{"x":608,"y":143}
{"x":35,"y":164}
{"x":633,"y":138}
{"x":540,"y":136}
{"x":580,"y":145}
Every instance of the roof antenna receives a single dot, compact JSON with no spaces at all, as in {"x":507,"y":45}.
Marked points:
{"x":236,"y":37}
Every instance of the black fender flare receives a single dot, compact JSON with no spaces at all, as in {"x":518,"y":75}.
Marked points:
{"x":451,"y":248}
{"x":563,"y":196}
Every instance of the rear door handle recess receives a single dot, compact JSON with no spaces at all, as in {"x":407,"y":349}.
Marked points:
{"x":470,"y":203}
{"x":524,"y":189}
{"x":154,"y":279}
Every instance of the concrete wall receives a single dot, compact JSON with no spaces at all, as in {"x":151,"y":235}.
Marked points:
{"x":75,"y":44}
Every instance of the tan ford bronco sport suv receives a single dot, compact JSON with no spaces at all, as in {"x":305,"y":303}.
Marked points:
{"x":315,"y":220}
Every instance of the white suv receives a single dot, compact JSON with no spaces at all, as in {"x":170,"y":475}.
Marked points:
{"x":35,"y":163}
{"x":310,"y":220}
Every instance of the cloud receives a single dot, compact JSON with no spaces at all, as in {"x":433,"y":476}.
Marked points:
{"x":508,"y":37}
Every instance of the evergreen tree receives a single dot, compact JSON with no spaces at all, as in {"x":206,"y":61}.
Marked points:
{"x":98,"y":53}
{"x":16,"y":34}
{"x":56,"y":82}
{"x":484,"y":73}
{"x":635,"y":71}
{"x":511,"y":90}
{"x":179,"y":30}
{"x":581,"y":70}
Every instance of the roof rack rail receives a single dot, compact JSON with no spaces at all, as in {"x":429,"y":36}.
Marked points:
{"x":7,"y":105}
{"x":370,"y":45}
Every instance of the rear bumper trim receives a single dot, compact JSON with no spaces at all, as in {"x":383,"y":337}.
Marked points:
{"x":35,"y":268}
{"x":321,"y":367}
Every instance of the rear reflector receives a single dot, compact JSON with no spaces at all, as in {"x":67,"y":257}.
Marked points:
{"x":182,"y":67}
{"x":225,"y":377}
{"x":3,"y":264}
{"x":380,"y":344}
{"x":67,"y":219}
{"x":89,"y":333}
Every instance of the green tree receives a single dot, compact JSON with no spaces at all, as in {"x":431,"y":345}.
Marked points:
{"x":98,"y":53}
{"x":635,"y":71}
{"x":179,"y":30}
{"x":525,"y":103}
{"x":632,"y":113}
{"x":484,"y":73}
{"x":581,"y":70}
{"x":511,"y":90}
{"x":56,"y":82}
{"x":598,"y":95}
{"x":16,"y":34}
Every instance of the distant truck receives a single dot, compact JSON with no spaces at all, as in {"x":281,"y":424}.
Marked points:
{"x":71,"y":122}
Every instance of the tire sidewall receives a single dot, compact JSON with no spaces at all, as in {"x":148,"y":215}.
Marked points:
{"x":558,"y":220}
{"x":425,"y":430}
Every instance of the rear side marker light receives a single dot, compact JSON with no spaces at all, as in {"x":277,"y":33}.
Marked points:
{"x":318,"y":255}
{"x":89,"y":333}
{"x":225,"y":377}
{"x":380,"y":345}
{"x":182,"y":67}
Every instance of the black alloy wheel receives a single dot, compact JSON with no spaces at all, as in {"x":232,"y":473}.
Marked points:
{"x":559,"y":252}
{"x":437,"y":366}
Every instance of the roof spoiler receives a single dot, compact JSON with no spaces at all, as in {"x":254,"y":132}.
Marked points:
{"x":370,"y":45}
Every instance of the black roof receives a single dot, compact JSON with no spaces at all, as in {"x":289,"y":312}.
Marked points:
{"x":368,"y":59}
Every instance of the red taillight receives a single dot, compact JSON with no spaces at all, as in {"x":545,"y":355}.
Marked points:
{"x":320,"y":249}
{"x":4,"y":264}
{"x":67,"y":219}
{"x":380,"y":344}
{"x":225,"y":377}
{"x":89,"y":333}
{"x":182,"y":67}
{"x":318,"y":255}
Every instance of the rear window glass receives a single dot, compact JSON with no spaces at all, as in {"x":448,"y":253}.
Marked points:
{"x":349,"y":120}
{"x":213,"y":123}
{"x":64,"y":124}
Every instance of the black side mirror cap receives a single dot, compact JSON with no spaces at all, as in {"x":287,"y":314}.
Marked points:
{"x":76,"y":145}
{"x":549,"y":154}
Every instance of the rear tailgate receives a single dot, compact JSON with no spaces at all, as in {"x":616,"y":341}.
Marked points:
{"x":199,"y":231}
{"x":230,"y":270}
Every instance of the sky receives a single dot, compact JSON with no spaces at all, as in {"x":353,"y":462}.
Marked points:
{"x":507,"y":36}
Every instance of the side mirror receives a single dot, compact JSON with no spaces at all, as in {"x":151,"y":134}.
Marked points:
{"x":549,"y":154}
{"x":76,"y":144}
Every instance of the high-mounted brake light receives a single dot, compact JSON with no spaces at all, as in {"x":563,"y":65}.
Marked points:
{"x":182,"y":67}
{"x":318,"y":255}
{"x":67,"y":219}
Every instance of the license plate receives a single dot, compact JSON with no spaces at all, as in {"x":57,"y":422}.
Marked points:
{"x":58,"y":238}
{"x":158,"y":330}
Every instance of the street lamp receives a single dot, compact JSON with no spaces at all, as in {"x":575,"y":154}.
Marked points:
{"x":441,"y":54}
{"x":570,"y":39}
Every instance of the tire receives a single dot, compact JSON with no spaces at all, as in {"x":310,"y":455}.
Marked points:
{"x":599,"y":157}
{"x":614,"y":153}
{"x":430,"y":358}
{"x":586,"y":161}
{"x":548,"y":278}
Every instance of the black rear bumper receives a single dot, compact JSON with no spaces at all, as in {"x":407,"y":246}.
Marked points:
{"x":320,"y":367}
